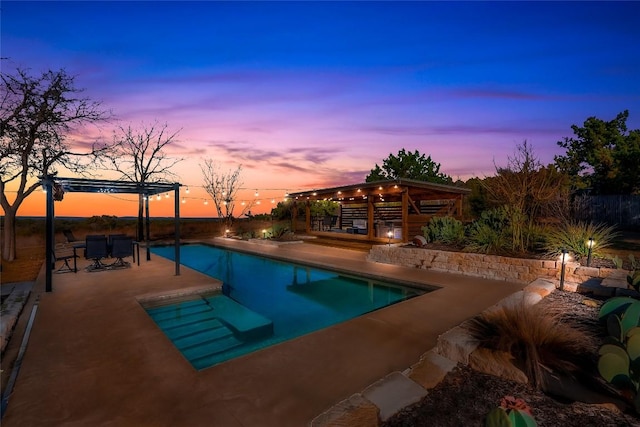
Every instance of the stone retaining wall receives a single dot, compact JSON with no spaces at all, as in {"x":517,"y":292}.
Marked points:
{"x":517,"y":270}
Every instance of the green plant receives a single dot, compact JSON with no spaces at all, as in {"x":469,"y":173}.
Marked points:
{"x":279,"y":231}
{"x":444,"y":229}
{"x":490,"y":233}
{"x":617,"y":261}
{"x":619,"y":361}
{"x":574,"y":237}
{"x":511,"y":412}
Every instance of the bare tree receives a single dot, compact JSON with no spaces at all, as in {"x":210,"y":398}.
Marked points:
{"x":36,"y":115}
{"x":526,"y":189}
{"x":140,"y":156}
{"x":223,"y":188}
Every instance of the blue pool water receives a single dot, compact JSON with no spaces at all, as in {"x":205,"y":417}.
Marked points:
{"x":263,"y":302}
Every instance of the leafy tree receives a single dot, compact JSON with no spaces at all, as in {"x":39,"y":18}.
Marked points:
{"x":477,"y":201}
{"x":36,"y":115}
{"x":140,"y":156}
{"x":603,"y":156}
{"x":283,"y":210}
{"x":411,"y":166}
{"x":223,"y":188}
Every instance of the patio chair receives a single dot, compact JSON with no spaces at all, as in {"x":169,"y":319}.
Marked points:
{"x":66,"y":267}
{"x":96,"y":249}
{"x":68,"y":234}
{"x":121,"y":247}
{"x":114,"y":236}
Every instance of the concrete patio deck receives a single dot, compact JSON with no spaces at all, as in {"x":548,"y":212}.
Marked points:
{"x":96,"y":358}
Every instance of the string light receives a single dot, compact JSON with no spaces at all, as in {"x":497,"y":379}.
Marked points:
{"x":187,"y":190}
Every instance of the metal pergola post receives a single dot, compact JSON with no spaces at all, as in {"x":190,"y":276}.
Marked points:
{"x":176,"y":188}
{"x":49,"y":257}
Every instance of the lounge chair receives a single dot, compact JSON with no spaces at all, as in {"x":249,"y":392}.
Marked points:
{"x":96,"y":249}
{"x":121,"y":247}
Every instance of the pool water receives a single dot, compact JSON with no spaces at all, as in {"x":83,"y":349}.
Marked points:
{"x":263,"y":302}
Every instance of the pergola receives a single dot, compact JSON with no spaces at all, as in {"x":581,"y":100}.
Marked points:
{"x":382,"y":210}
{"x":53,"y":185}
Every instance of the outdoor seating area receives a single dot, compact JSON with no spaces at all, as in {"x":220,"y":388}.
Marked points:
{"x":99,"y":248}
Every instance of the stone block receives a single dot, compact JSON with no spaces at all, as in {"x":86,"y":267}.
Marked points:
{"x":615,"y":282}
{"x":520,"y":297}
{"x":354,"y":411}
{"x":550,"y":265}
{"x":615,"y":273}
{"x":497,"y":363}
{"x":456,"y":344}
{"x":540,"y":286}
{"x":588,"y":271}
{"x":431,"y":369}
{"x":393,"y":393}
{"x":571,"y":286}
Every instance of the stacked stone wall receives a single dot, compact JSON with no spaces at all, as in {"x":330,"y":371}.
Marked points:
{"x":520,"y":270}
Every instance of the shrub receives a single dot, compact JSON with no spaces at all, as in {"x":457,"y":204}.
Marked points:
{"x":536,"y":338}
{"x":444,"y":229}
{"x":574,"y":237}
{"x":490,"y":233}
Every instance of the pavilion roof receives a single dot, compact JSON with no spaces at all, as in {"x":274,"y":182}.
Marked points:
{"x":388,"y":188}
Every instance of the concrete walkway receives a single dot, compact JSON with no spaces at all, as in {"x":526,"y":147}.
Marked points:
{"x":96,"y":358}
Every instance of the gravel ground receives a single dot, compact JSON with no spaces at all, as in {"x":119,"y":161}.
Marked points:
{"x":465,"y":396}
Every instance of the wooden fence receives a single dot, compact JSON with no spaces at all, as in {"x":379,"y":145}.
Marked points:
{"x":620,"y":210}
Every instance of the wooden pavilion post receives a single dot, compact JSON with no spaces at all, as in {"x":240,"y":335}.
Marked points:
{"x":370,"y":228}
{"x":405,"y":215}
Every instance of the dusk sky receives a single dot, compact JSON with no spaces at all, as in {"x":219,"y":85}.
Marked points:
{"x":314,"y":94}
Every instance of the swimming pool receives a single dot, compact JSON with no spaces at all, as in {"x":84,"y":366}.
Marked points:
{"x":263,"y":302}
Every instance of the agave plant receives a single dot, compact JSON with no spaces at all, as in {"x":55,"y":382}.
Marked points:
{"x":574,"y":236}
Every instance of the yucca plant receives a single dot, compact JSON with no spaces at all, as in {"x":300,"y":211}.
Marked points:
{"x":574,"y":237}
{"x":537,"y":339}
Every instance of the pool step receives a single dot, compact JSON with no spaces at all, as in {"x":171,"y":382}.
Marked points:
{"x":179,"y":311}
{"x":203,"y":336}
{"x":247,"y":324}
{"x":197,"y":354}
{"x":204,"y":328}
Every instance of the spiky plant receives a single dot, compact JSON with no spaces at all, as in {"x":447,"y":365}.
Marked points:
{"x":444,"y":229}
{"x":537,"y":339}
{"x":574,"y":237}
{"x":490,"y":233}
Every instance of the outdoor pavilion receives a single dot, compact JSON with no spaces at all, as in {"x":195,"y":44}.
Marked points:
{"x":383,"y":211}
{"x":56,"y":187}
